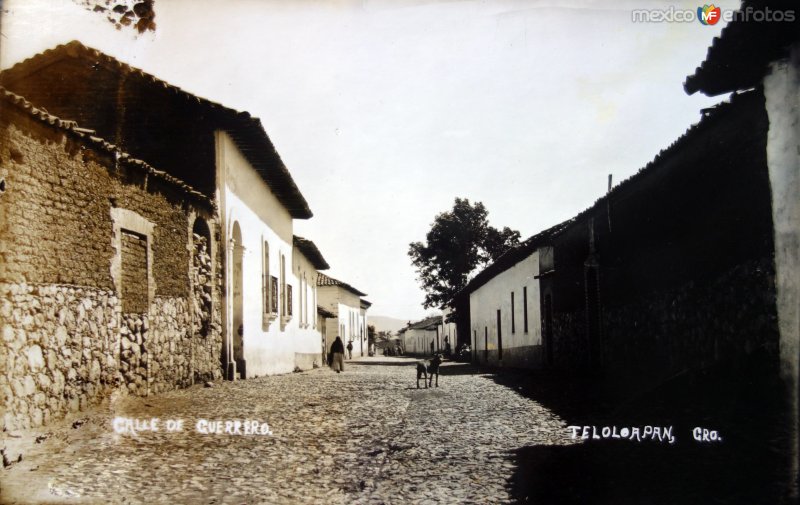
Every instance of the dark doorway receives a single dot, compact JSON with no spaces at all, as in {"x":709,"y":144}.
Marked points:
{"x":499,"y":337}
{"x":593,"y":316}
{"x":548,"y":329}
{"x":486,"y":344}
{"x":237,"y":337}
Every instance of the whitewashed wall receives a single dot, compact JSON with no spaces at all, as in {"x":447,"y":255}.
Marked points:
{"x":520,"y":348}
{"x":782,"y":94}
{"x":347,"y":307}
{"x":269,"y":345}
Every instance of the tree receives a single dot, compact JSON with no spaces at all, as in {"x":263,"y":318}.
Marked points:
{"x":459,"y":242}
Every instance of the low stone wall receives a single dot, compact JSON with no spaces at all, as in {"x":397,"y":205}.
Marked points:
{"x":67,"y":347}
{"x":59,"y":351}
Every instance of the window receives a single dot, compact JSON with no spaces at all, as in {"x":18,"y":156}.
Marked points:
{"x":301,"y":289}
{"x":273,"y":299}
{"x":525,"y":307}
{"x":132,"y":265}
{"x":265,"y":281}
{"x":513,"y":326}
{"x":288,"y":299}
{"x":283,"y":286}
{"x":303,"y":297}
{"x":134,"y":273}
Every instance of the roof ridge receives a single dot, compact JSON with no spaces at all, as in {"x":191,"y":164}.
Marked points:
{"x":89,"y":136}
{"x":76,"y":48}
{"x":240,"y":124}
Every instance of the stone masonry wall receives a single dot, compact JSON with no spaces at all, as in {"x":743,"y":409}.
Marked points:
{"x":59,"y":350}
{"x":69,"y":337}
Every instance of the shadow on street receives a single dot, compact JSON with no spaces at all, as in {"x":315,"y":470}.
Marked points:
{"x":745,"y":404}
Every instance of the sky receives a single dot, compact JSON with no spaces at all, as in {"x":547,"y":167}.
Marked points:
{"x":386,"y":111}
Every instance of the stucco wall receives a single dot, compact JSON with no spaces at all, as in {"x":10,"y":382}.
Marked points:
{"x":520,"y":348}
{"x":308,"y":340}
{"x":418,"y":342}
{"x":347,"y":307}
{"x":277,"y":344}
{"x":782,"y":93}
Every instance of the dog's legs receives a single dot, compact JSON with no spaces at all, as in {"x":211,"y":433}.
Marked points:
{"x":437,"y":379}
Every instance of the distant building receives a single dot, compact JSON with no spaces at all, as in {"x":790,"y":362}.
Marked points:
{"x":417,"y":337}
{"x":363,"y":329}
{"x":505,"y":308}
{"x":345,"y":302}
{"x":323,"y":315}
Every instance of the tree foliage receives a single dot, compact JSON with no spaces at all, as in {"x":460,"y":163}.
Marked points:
{"x":459,"y":242}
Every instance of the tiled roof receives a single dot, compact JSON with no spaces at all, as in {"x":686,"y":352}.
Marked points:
{"x":246,"y":131}
{"x":739,"y":57}
{"x":322,"y":311}
{"x":514,"y":255}
{"x":324,"y":280}
{"x":87,"y":136}
{"x":310,"y":251}
{"x":428,"y":323}
{"x":365,"y":304}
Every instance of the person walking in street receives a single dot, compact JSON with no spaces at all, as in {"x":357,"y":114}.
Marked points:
{"x":350,"y":350}
{"x":337,"y":355}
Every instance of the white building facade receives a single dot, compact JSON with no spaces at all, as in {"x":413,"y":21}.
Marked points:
{"x":505,"y":316}
{"x":350,"y":322}
{"x":269,"y":324}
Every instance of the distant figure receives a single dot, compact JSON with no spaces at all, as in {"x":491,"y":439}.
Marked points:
{"x":350,"y":350}
{"x":432,"y":348}
{"x":337,"y":355}
{"x":447,"y":349}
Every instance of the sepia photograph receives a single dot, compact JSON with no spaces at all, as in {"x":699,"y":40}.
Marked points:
{"x":382,"y":252}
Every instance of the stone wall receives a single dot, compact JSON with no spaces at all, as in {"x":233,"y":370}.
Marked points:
{"x":693,"y":327}
{"x":684,"y":257}
{"x":59,"y":350}
{"x":88,"y":306}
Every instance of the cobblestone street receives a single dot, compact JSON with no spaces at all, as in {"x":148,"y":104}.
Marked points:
{"x":364,"y":436}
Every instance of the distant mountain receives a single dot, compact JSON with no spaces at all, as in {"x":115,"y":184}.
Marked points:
{"x":383,"y":323}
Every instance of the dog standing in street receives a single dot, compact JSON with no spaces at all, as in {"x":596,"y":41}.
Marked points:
{"x":428,"y":368}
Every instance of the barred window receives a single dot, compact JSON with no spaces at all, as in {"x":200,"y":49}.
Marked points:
{"x":265,"y":283}
{"x":274,"y":295}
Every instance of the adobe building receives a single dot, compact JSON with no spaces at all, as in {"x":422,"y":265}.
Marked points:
{"x":323,"y":315}
{"x":308,"y":261}
{"x":765,"y":57}
{"x":363,"y":330}
{"x":670,"y":271}
{"x":417,"y":337}
{"x":109,"y":271}
{"x":350,"y":319}
{"x":505,"y":306}
{"x":226,"y":156}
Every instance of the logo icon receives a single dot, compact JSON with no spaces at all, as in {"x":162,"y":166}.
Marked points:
{"x":708,"y":14}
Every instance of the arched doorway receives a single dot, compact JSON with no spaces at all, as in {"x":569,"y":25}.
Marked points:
{"x":237,"y":281}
